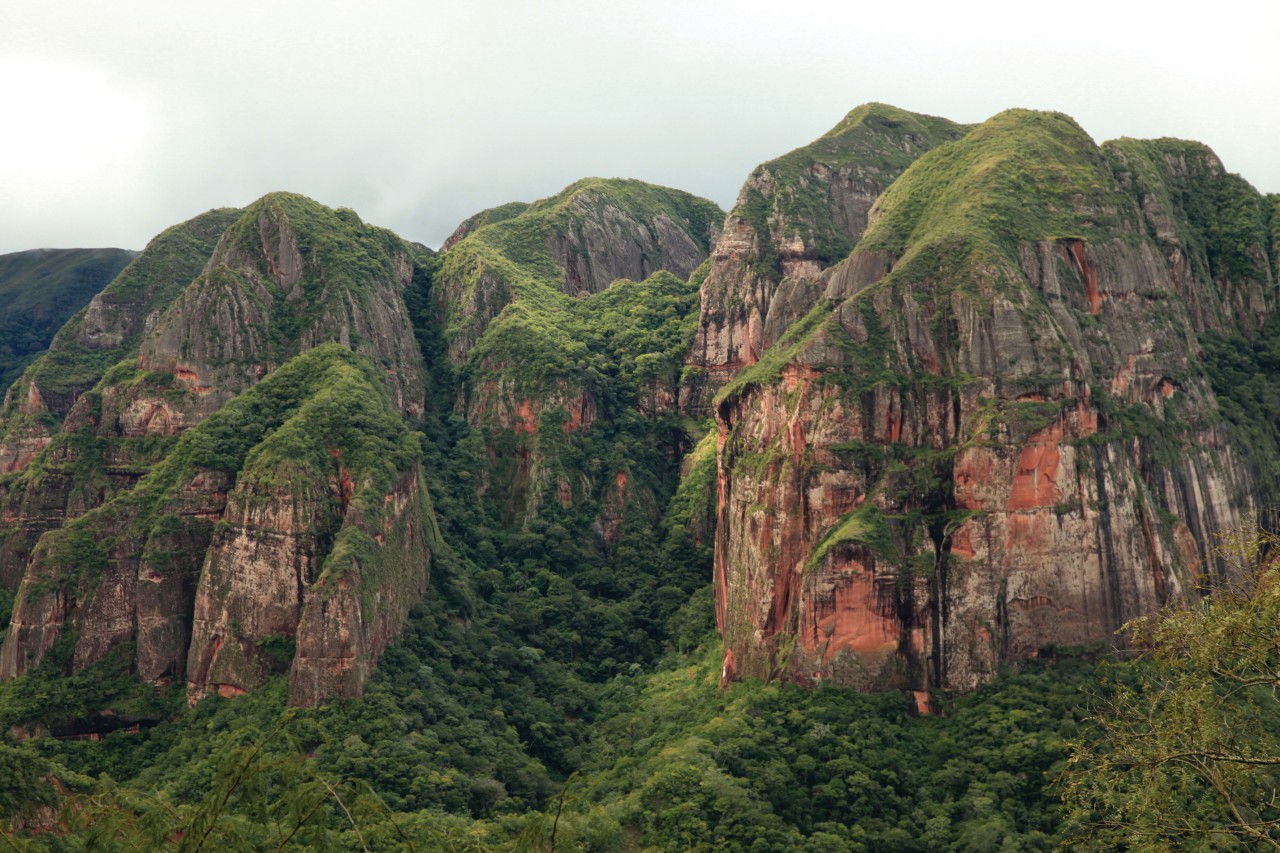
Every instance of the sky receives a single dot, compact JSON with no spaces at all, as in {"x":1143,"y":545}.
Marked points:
{"x":119,"y":119}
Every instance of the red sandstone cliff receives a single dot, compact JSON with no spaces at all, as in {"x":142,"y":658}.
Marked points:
{"x":992,"y":433}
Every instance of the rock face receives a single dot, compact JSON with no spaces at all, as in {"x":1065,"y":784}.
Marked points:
{"x":102,"y":333}
{"x":288,"y":278}
{"x":795,"y":217}
{"x":51,"y":414}
{"x":306,"y":560}
{"x":527,"y":299}
{"x":279,"y":278}
{"x":289,"y":275}
{"x":992,"y":432}
{"x":578,"y":242}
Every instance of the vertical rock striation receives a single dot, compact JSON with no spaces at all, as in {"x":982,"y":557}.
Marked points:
{"x":290,"y":531}
{"x":245,"y":496}
{"x":992,"y":431}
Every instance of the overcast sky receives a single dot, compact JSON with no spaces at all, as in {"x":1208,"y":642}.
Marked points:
{"x":122,"y":118}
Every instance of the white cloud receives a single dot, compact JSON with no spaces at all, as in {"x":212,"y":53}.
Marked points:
{"x":417,"y":115}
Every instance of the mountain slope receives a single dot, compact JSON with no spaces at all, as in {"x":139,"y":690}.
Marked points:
{"x":294,"y":515}
{"x":40,"y":290}
{"x":579,"y":241}
{"x":106,"y":330}
{"x":288,"y":276}
{"x":550,"y":349}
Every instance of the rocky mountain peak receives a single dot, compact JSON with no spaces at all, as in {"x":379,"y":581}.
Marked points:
{"x":795,"y":217}
{"x":993,"y":418}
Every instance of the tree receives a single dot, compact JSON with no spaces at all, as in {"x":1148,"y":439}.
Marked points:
{"x":1182,"y":749}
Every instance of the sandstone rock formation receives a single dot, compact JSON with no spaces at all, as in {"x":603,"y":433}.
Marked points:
{"x":287,"y":276}
{"x":289,"y":531}
{"x":105,"y":331}
{"x":992,"y":432}
{"x":796,"y":216}
{"x":527,"y":300}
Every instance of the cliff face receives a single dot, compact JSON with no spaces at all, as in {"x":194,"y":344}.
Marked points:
{"x":578,"y":242}
{"x":289,"y":275}
{"x":279,"y":278}
{"x":531,"y":312}
{"x":992,"y":432}
{"x":795,"y":217}
{"x":289,"y":531}
{"x":102,"y":333}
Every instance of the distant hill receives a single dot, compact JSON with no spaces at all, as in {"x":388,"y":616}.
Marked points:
{"x":39,"y":291}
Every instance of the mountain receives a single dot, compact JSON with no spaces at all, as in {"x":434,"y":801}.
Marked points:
{"x":994,"y":431}
{"x":531,"y":315}
{"x":106,"y":330}
{"x":176,"y":468}
{"x":623,"y":523}
{"x":41,"y":289}
{"x":796,"y":216}
{"x":578,"y":242}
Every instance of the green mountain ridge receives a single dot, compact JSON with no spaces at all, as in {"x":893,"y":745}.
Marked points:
{"x":41,"y":289}
{"x":343,"y":543}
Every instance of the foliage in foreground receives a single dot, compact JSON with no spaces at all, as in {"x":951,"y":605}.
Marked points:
{"x":1183,"y":750}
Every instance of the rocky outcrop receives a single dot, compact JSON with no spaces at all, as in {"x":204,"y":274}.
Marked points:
{"x":578,"y":242}
{"x":991,"y":434}
{"x":289,"y":584}
{"x":110,"y":327}
{"x":795,"y":217}
{"x":289,"y":275}
{"x":301,"y":496}
{"x":285,"y":276}
{"x":51,"y":417}
{"x":102,"y":333}
{"x":537,"y":300}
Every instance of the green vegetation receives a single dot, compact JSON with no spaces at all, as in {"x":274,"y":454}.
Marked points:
{"x":324,"y":408}
{"x":558,"y":686}
{"x":40,"y":290}
{"x":512,"y":257}
{"x":148,"y":284}
{"x":1245,"y":376}
{"x":1183,"y":745}
{"x":875,"y":142}
{"x":1018,"y":177}
{"x":1219,"y":219}
{"x":671,"y":762}
{"x":501,"y":213}
{"x":865,"y":525}
{"x":634,"y":333}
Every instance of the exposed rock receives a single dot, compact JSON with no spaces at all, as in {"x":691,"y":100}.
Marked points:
{"x":992,"y":434}
{"x":328,"y":515}
{"x":524,"y":297}
{"x":288,"y":276}
{"x":580,"y":241}
{"x":795,"y":217}
{"x":105,"y":331}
